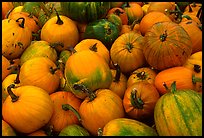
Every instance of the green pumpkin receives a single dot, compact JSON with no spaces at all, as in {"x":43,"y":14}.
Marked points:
{"x":85,"y":11}
{"x":127,"y":127}
{"x":179,"y":113}
{"x":103,"y":30}
{"x":74,"y":130}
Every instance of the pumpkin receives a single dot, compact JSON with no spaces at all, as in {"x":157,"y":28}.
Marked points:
{"x":191,"y":17}
{"x":78,"y":70}
{"x":66,"y":107}
{"x":6,"y":7}
{"x":103,"y":30}
{"x":5,"y":64}
{"x":127,"y":127}
{"x":193,"y":8}
{"x":74,"y":130}
{"x":27,"y":108}
{"x":115,"y":19}
{"x":151,"y":18}
{"x":166,"y":44}
{"x":32,"y":8}
{"x":121,"y":13}
{"x":142,"y":74}
{"x":85,"y":11}
{"x":16,"y":9}
{"x":134,"y":11}
{"x":119,"y":81}
{"x":60,"y":31}
{"x":183,"y":76}
{"x":16,"y":37}
{"x":140,"y":99}
{"x":45,"y":74}
{"x":7,"y":130}
{"x":94,"y":45}
{"x":30,"y":21}
{"x":127,"y":52}
{"x":161,"y":6}
{"x":194,"y":33}
{"x":145,"y":7}
{"x":97,"y":109}
{"x":39,"y":49}
{"x":39,"y":132}
{"x":116,"y":4}
{"x":179,"y":113}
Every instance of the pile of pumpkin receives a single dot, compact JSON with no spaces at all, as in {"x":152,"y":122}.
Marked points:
{"x":101,"y":68}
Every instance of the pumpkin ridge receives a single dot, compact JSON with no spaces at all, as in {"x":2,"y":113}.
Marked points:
{"x":196,"y":103}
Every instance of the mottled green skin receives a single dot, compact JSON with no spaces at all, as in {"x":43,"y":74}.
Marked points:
{"x":179,"y":114}
{"x":127,"y":127}
{"x":74,"y":130}
{"x":85,"y":11}
{"x":103,"y":30}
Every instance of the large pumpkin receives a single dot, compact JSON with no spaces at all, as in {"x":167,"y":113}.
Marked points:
{"x":40,"y":72}
{"x":92,"y":71}
{"x":27,"y":108}
{"x":127,"y":127}
{"x":179,"y":113}
{"x":85,"y":11}
{"x":166,"y":44}
{"x":60,"y":31}
{"x":16,"y":37}
{"x":127,"y":52}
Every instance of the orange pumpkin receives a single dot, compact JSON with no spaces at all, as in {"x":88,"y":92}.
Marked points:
{"x":45,"y":74}
{"x":142,"y":74}
{"x":94,"y":45}
{"x":7,"y":130}
{"x":139,"y":100}
{"x":194,"y":33}
{"x":60,"y":31}
{"x":66,"y":107}
{"x":16,"y":37}
{"x":193,"y":8}
{"x":166,"y":45}
{"x":121,"y":13}
{"x":92,"y":117}
{"x":5,"y":65}
{"x":184,"y":77}
{"x":151,"y":18}
{"x":127,"y":52}
{"x":161,"y":6}
{"x":27,"y":108}
{"x":6,"y":7}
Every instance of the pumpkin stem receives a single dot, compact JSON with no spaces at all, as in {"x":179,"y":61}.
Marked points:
{"x":59,"y":21}
{"x":118,"y":12}
{"x":86,"y":90}
{"x":14,"y":98}
{"x":118,"y":72}
{"x":100,"y":131}
{"x":187,"y":17}
{"x":53,"y":70}
{"x":163,"y":36}
{"x":164,"y":84}
{"x":196,"y":79}
{"x":22,"y":23}
{"x":196,"y":68}
{"x":93,"y":47}
{"x":173,"y":87}
{"x":136,"y":101}
{"x":69,"y":107}
{"x":141,"y":75}
{"x":129,"y":47}
{"x":16,"y":67}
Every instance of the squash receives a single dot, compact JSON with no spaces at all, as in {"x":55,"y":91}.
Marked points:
{"x":66,"y":107}
{"x":85,"y":11}
{"x":103,"y":30}
{"x":27,"y":108}
{"x":45,"y":71}
{"x":127,"y":127}
{"x":127,"y":52}
{"x":78,"y":70}
{"x":16,"y":37}
{"x":179,"y":113}
{"x":121,"y":13}
{"x":166,"y":45}
{"x":115,"y":19}
{"x":74,"y":130}
{"x":140,"y":99}
{"x":7,"y":130}
{"x":183,"y":76}
{"x":60,"y":31}
{"x":5,"y":64}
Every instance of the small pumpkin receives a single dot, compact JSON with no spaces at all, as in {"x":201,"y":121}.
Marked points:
{"x":16,"y":37}
{"x":60,"y":31}
{"x":140,"y":99}
{"x":127,"y":52}
{"x":27,"y":108}
{"x":183,"y":76}
{"x":121,"y":13}
{"x":45,"y":76}
{"x":5,"y":65}
{"x":166,"y":44}
{"x":115,"y":19}
{"x":7,"y":130}
{"x":179,"y":113}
